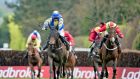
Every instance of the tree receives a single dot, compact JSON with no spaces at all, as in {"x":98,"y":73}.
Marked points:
{"x":136,"y":42}
{"x":17,"y":41}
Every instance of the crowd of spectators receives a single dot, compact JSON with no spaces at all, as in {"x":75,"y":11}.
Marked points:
{"x":15,"y":58}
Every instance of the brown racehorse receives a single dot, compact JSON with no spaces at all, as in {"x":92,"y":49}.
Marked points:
{"x":34,"y":59}
{"x":57,"y":54}
{"x":108,"y":52}
{"x":70,"y":64}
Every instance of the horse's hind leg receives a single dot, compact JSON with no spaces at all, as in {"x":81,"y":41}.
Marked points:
{"x":114,"y":69}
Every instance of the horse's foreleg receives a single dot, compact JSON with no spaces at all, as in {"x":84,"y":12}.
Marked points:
{"x":72,"y":69}
{"x":106,"y":71}
{"x":114,"y":68}
{"x":96,"y":69}
{"x":54,"y":71}
{"x":58,"y":72}
{"x":102,"y":72}
{"x":64,"y":74}
{"x":39,"y":70}
{"x":51,"y":68}
{"x":32,"y":71}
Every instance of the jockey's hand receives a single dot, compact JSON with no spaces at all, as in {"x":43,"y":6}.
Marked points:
{"x":43,"y":28}
{"x":121,"y":35}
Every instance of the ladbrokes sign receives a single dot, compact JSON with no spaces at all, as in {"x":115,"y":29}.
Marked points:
{"x":79,"y":72}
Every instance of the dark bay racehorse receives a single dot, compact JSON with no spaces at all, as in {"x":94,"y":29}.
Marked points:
{"x":34,"y":59}
{"x":57,"y":54}
{"x":70,"y":64}
{"x":94,"y":59}
{"x":108,"y":52}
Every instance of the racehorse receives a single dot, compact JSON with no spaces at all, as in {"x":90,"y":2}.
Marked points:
{"x":34,"y":59}
{"x":95,"y":61}
{"x":108,"y":52}
{"x":57,"y":54}
{"x":70,"y":64}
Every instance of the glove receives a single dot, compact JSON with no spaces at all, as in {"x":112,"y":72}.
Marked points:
{"x":44,"y":28}
{"x":121,"y":35}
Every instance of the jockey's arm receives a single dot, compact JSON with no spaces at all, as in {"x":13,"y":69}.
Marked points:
{"x":103,"y":28}
{"x":119,"y":32}
{"x":28,"y":41}
{"x":71,"y":40}
{"x":39,"y":37}
{"x":46,"y":24}
{"x":61,"y":25}
{"x":92,"y":36}
{"x":37,"y":44}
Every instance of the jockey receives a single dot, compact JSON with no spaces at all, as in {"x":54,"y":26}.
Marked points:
{"x":34,"y":38}
{"x":105,"y":27}
{"x":70,"y":39}
{"x":56,"y":21}
{"x":95,"y":38}
{"x":35,"y":32}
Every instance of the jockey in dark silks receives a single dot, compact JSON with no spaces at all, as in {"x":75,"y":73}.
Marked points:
{"x":56,"y":21}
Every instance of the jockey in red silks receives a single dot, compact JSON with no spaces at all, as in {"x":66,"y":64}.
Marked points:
{"x":106,"y":27}
{"x":70,"y":39}
{"x":95,"y":38}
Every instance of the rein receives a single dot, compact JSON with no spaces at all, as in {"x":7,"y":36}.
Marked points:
{"x":59,"y":48}
{"x":110,"y":48}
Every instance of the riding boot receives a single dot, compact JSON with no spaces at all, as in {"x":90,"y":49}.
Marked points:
{"x":118,"y":45}
{"x":90,"y":53}
{"x":66,"y":43}
{"x":26,"y":54}
{"x":103,"y":40}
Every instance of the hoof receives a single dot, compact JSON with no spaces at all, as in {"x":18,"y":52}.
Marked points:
{"x":38,"y":75}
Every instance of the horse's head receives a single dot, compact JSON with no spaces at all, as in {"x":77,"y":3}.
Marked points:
{"x":54,"y":37}
{"x":111,"y":37}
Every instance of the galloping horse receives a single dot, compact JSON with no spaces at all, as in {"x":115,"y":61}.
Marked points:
{"x":34,"y":59}
{"x":94,"y":59}
{"x":57,"y":54}
{"x":70,"y":64}
{"x":108,"y":52}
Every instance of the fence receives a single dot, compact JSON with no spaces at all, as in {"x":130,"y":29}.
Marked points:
{"x":129,"y":58}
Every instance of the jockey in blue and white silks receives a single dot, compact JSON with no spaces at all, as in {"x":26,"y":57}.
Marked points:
{"x":56,"y":21}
